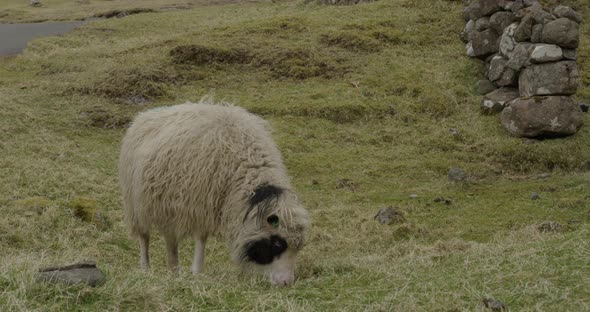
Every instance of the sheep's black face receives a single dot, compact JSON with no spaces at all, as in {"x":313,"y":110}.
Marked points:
{"x":264,"y":251}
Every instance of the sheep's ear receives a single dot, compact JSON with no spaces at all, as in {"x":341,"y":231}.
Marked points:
{"x":264,"y":192}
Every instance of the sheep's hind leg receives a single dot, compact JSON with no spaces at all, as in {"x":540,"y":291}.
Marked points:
{"x":172,"y":250}
{"x":144,"y":253}
{"x":199,"y":256}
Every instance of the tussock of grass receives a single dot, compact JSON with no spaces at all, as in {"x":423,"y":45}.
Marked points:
{"x":102,"y":118}
{"x":339,"y":2}
{"x":199,"y":55}
{"x":122,"y":13}
{"x":83,"y":208}
{"x":124,"y":84}
{"x":351,"y":41}
{"x":297,"y":64}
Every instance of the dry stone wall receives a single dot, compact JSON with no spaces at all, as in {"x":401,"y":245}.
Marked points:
{"x":530,"y":60}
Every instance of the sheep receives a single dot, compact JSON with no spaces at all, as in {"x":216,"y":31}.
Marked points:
{"x":204,"y":169}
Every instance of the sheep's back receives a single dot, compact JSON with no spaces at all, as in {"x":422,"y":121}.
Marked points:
{"x":179,"y":164}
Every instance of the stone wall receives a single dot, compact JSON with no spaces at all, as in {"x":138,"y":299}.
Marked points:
{"x":530,"y":60}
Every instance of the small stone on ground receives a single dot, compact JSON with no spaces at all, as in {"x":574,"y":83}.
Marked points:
{"x":549,"y":226}
{"x":495,"y":305}
{"x":456,"y":175}
{"x":389,"y":215}
{"x":79,"y":273}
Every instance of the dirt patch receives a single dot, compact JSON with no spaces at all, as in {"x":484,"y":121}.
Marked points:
{"x":388,"y":36}
{"x":123,"y":13}
{"x":126,"y":84}
{"x":298,"y":64}
{"x":339,"y":2}
{"x":200,"y":55}
{"x":279,"y":27}
{"x":101,"y":118}
{"x":340,"y":114}
{"x":351,"y":41}
{"x":282,"y":63}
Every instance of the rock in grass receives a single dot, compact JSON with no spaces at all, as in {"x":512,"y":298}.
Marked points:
{"x":456,"y":175}
{"x":389,"y":215}
{"x":79,"y":273}
{"x":549,"y":116}
{"x":549,"y":226}
{"x":443,"y":200}
{"x":494,"y":305}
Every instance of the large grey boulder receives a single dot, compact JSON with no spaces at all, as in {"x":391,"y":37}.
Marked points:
{"x":497,"y":67}
{"x":513,"y":6}
{"x":542,"y":17}
{"x":520,"y":56}
{"x":524,"y":30}
{"x":500,"y":20}
{"x":484,"y":42}
{"x":550,"y":116}
{"x":563,"y":32}
{"x":495,"y":101}
{"x":489,"y":7}
{"x":537,"y":35}
{"x":570,"y":54}
{"x":485,"y":86}
{"x":466,"y":34}
{"x":507,"y":42}
{"x":469,"y":48}
{"x":482,"y":23}
{"x":567,"y":12}
{"x":472,"y":11}
{"x":80,"y":273}
{"x":560,"y":78}
{"x":543,"y":53}
{"x":500,"y":74}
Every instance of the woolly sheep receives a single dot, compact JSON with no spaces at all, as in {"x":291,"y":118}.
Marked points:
{"x":197,"y":170}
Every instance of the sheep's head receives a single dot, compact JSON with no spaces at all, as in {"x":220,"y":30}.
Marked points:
{"x":274,"y":227}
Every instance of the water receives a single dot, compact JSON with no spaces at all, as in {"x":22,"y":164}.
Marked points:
{"x":14,"y":37}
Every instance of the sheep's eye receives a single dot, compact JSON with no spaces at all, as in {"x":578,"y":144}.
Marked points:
{"x":273,"y":220}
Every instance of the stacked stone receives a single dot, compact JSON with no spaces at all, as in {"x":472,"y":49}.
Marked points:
{"x":530,"y":61}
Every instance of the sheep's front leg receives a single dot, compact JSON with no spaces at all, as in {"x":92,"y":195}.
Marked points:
{"x":144,"y":254}
{"x":172,"y":251}
{"x":199,"y":256}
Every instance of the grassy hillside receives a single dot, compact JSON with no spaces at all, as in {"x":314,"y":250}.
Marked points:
{"x":380,"y":94}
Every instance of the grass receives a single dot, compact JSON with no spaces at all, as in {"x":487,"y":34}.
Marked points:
{"x":367,"y":93}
